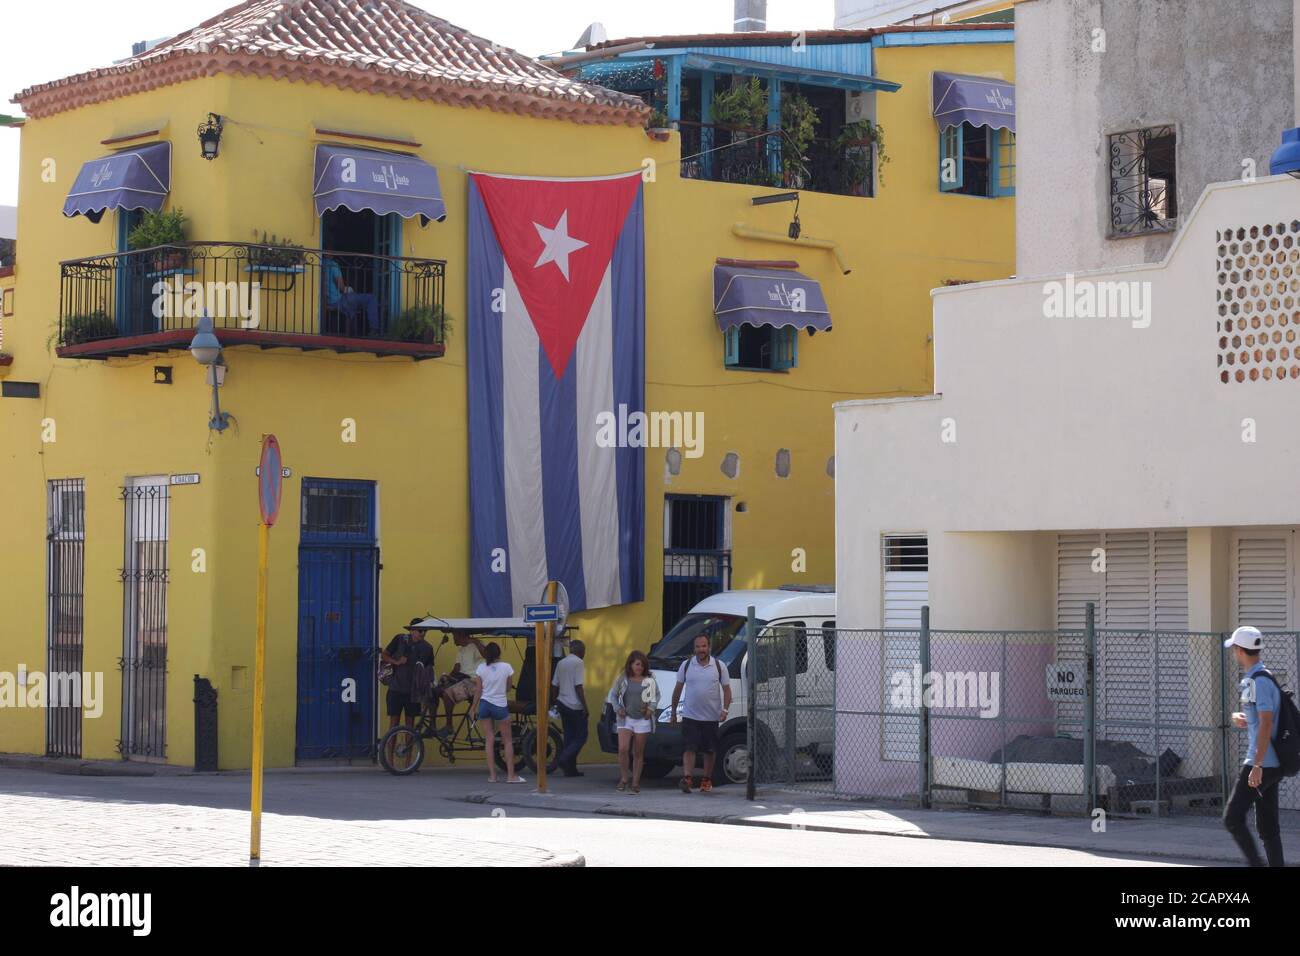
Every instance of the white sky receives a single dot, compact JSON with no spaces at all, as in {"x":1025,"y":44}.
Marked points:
{"x":40,"y":42}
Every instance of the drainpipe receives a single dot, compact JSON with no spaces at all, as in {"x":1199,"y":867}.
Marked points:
{"x":749,"y":232}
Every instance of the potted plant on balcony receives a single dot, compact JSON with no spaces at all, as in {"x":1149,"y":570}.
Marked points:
{"x":742,"y":107}
{"x":422,"y":323}
{"x":161,"y":229}
{"x":87,"y":327}
{"x":854,"y":145}
{"x":273,"y":253}
{"x":798,"y":128}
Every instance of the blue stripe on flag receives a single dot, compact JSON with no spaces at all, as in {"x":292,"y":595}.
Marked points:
{"x":561,"y":483}
{"x":629,"y":389}
{"x":489,"y":590}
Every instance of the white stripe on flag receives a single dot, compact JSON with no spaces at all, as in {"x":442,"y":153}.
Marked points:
{"x":597,"y":471}
{"x":522,"y":441}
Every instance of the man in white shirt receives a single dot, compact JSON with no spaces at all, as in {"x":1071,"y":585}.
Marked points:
{"x":707,"y":687}
{"x":458,"y":686}
{"x":571,"y":701}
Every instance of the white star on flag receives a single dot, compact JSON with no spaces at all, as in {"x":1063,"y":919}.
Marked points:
{"x":558,"y":244}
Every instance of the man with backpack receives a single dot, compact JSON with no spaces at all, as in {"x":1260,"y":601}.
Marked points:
{"x":707,"y":688}
{"x":1257,"y":783}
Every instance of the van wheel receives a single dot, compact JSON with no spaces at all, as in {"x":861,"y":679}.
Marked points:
{"x":657,"y":769}
{"x":732,"y":764}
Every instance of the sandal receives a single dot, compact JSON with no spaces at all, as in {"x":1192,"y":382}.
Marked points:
{"x":517,"y":780}
{"x":635,"y":788}
{"x":622,"y":785}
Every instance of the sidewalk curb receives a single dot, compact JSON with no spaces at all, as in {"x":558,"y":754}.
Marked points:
{"x":1203,"y":855}
{"x":72,"y":766}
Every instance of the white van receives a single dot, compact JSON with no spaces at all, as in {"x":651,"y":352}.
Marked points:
{"x":810,"y":611}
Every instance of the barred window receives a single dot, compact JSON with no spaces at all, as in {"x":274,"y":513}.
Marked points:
{"x":1143,"y":181}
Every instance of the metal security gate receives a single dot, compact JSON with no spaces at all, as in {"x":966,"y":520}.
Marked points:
{"x":338,"y":621}
{"x":144,"y":620}
{"x":65,"y":622}
{"x":697,"y":552}
{"x":988,"y":732}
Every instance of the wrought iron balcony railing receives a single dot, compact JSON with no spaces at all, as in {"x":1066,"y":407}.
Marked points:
{"x":265,"y":294}
{"x":756,"y":157}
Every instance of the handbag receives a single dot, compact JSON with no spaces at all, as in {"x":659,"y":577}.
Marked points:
{"x":386,"y":669}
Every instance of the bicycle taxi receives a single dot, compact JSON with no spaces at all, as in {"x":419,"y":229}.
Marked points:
{"x":402,"y":749}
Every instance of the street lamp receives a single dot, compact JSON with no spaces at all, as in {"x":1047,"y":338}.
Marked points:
{"x":1286,"y":158}
{"x":210,"y":136}
{"x":794,"y":229}
{"x":206,"y":349}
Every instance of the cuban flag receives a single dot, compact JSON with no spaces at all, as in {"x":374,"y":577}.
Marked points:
{"x":556,"y":341}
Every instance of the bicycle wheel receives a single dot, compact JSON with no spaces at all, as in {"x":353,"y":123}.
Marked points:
{"x":519,"y":735}
{"x":554,"y":743}
{"x":401,"y":751}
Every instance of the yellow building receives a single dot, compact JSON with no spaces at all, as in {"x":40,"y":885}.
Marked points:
{"x":131,"y":534}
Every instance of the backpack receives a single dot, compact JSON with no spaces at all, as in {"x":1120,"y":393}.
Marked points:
{"x":386,"y":669}
{"x":1287,"y":742}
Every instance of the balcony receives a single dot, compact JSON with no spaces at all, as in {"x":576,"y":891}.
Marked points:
{"x":753,"y":157}
{"x":150,"y":300}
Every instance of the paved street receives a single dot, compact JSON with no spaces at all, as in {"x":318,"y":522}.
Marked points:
{"x":361,"y":817}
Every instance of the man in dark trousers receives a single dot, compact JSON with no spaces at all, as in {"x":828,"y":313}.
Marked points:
{"x":1257,"y":783}
{"x":571,"y":700}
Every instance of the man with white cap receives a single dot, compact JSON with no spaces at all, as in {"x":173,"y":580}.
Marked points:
{"x":1257,"y":784}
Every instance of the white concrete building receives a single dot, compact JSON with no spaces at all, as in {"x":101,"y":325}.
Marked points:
{"x":1124,"y":435}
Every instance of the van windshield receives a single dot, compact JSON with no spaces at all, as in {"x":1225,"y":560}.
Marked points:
{"x":724,"y":631}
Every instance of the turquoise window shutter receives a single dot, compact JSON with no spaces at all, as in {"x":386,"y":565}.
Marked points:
{"x":731,"y":346}
{"x":783,"y":347}
{"x":951,"y":143}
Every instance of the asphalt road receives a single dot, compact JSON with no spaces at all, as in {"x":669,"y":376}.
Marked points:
{"x":142,"y":815}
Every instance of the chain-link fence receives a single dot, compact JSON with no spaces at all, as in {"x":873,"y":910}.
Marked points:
{"x":1135,"y":722}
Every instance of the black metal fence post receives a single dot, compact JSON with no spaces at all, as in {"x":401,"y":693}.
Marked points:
{"x":925,"y":711}
{"x":1090,"y":709}
{"x":751,"y":704}
{"x":205,"y":724}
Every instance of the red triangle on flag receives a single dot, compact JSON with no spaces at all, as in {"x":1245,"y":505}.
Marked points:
{"x":558,"y":236}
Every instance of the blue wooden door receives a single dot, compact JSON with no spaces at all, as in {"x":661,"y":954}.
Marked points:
{"x":338,"y":577}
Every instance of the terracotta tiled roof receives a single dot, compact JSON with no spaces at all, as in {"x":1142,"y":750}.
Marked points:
{"x":379,"y":46}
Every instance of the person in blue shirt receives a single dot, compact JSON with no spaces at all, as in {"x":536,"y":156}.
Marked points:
{"x":1257,"y":784}
{"x":339,"y":295}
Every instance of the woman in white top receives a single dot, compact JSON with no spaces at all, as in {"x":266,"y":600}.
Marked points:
{"x":492,"y":682}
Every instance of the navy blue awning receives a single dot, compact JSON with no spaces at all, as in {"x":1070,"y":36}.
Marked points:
{"x":377,"y":180}
{"x":767,"y":294}
{"x":138,"y":178}
{"x":978,"y":100}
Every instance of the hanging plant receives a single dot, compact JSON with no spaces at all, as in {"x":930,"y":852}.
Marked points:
{"x":744,"y":105}
{"x":798,"y":126}
{"x":854,"y":147}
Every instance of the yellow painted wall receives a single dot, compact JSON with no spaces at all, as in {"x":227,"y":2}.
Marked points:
{"x":113,"y":422}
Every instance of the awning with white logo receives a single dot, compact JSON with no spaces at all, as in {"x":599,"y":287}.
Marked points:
{"x":978,"y":100}
{"x":138,"y":178}
{"x":375,"y":179}
{"x":759,"y":293}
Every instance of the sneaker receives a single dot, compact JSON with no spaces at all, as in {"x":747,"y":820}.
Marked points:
{"x":706,"y":785}
{"x":685,"y":784}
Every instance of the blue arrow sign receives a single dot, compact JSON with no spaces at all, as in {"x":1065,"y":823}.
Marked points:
{"x":541,"y":613}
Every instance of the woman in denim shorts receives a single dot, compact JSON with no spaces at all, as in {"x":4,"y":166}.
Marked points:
{"x":492,"y":684}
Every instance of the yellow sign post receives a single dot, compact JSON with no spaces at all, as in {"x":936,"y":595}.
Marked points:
{"x":269,"y":482}
{"x":545,"y":637}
